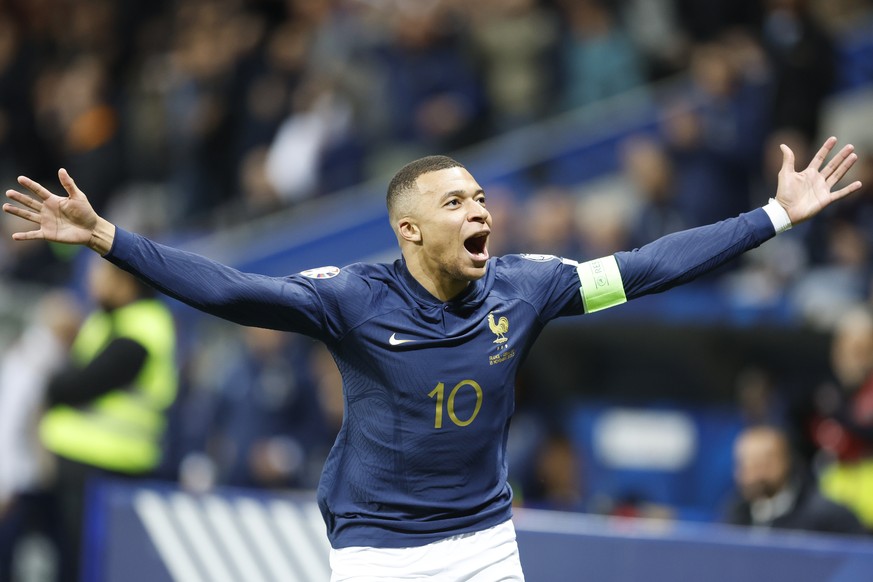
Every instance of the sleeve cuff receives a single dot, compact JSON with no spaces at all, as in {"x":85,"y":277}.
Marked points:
{"x":121,"y":241}
{"x":778,"y":216}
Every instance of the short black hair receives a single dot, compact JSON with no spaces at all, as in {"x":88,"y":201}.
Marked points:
{"x":404,"y":180}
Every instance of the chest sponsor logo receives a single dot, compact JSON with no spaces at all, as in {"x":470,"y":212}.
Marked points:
{"x":396,"y":341}
{"x":321,"y":272}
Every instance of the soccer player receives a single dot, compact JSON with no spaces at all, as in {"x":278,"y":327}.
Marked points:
{"x":428,"y":347}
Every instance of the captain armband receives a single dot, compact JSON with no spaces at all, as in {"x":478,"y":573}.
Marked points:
{"x":601,"y":284}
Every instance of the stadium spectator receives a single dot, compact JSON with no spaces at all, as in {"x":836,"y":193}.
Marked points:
{"x":858,"y":214}
{"x":258,"y":196}
{"x":843,"y":429}
{"x":315,"y":148}
{"x":558,"y":481}
{"x":714,"y":135}
{"x":200,"y":107}
{"x":598,"y":58}
{"x":802,"y":58}
{"x":823,"y":292}
{"x":603,"y":223}
{"x":20,"y":143}
{"x":75,"y":109}
{"x":775,"y":492}
{"x":837,"y":271}
{"x":265,"y":419}
{"x":40,"y":351}
{"x":411,"y":469}
{"x":649,"y":174}
{"x":516,"y":43}
{"x":758,"y":399}
{"x":653,"y":26}
{"x":106,"y":412}
{"x":431,"y":90}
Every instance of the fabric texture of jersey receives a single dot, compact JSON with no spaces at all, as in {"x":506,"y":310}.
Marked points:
{"x":428,"y":385}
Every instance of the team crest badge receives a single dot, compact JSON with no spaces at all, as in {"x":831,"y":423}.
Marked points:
{"x":321,"y":272}
{"x":499,"y":328}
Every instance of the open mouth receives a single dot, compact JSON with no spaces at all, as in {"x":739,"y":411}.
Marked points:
{"x":475,"y":245}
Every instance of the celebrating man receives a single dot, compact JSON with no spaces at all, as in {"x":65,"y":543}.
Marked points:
{"x":429,"y":346}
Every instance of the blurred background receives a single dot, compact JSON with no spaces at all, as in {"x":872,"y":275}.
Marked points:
{"x":262,"y":133}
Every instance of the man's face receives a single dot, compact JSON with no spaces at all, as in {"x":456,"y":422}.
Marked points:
{"x":454,"y":224}
{"x":852,"y":352}
{"x":761,"y":464}
{"x":108,"y":286}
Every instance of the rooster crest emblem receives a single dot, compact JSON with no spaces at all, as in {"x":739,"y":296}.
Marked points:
{"x":498,"y":328}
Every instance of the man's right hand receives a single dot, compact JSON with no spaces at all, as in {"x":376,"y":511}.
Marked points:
{"x":66,"y":219}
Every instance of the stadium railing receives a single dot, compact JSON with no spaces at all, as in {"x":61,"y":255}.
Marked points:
{"x":140,"y":533}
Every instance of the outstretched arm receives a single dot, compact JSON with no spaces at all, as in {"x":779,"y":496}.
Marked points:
{"x":683,"y":256}
{"x":70,"y":219}
{"x":280,"y":303}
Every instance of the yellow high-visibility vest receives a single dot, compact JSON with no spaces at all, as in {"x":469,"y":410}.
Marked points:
{"x":851,"y":484}
{"x":122,"y":430}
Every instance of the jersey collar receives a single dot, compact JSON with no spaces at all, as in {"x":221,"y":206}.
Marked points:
{"x":469,"y":297}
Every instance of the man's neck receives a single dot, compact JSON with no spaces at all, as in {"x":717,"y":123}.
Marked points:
{"x":443,"y":288}
{"x":766,"y":511}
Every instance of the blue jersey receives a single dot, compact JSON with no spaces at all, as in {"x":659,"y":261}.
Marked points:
{"x":428,"y":385}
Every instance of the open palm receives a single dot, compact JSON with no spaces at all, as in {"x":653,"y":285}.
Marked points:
{"x":66,"y":219}
{"x":804,"y":194}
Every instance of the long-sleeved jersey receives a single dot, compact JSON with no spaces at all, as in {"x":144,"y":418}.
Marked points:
{"x":428,"y":385}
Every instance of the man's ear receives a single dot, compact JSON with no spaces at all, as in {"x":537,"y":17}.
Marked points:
{"x":409,"y":230}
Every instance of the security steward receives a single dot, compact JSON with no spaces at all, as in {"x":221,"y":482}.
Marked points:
{"x":106,"y":415}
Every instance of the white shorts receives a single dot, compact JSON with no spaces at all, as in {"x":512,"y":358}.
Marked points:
{"x":489,"y":555}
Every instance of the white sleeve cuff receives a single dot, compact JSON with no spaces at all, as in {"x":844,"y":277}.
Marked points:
{"x":778,"y":216}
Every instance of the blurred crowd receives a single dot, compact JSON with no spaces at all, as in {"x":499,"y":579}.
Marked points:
{"x":213,"y":112}
{"x":207,"y":113}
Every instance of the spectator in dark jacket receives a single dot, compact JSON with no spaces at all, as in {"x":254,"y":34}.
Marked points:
{"x":774,"y":493}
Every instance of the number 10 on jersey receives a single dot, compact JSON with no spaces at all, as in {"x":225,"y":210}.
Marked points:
{"x":440,"y":394}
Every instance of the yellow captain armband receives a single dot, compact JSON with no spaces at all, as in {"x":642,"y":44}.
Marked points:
{"x":601,"y":284}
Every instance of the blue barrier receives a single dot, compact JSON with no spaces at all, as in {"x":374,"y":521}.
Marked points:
{"x":695,"y":487}
{"x":557,"y":546}
{"x":156,"y":533}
